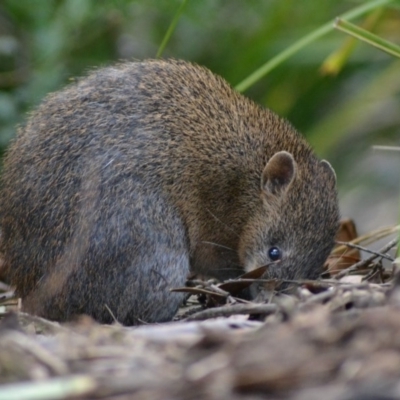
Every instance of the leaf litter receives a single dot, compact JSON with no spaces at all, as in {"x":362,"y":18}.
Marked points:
{"x":334,"y":338}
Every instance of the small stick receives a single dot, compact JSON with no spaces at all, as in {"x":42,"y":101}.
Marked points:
{"x":365,"y":262}
{"x":219,"y":291}
{"x":227,"y":311}
{"x":377,"y":269}
{"x":357,"y":246}
{"x":39,"y":352}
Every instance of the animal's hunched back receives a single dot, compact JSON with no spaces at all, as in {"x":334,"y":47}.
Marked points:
{"x":124,"y":182}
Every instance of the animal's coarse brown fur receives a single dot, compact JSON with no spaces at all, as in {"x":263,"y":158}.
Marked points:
{"x":125,"y":181}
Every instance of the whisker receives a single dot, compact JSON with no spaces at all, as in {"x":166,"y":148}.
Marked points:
{"x":223,"y":223}
{"x":218,"y":245}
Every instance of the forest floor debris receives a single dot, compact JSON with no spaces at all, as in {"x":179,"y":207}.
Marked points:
{"x":332,"y":339}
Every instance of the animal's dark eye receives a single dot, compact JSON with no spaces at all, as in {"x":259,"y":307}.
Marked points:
{"x":274,"y":253}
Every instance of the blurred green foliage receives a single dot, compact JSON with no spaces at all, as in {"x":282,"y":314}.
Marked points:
{"x":45,"y":43}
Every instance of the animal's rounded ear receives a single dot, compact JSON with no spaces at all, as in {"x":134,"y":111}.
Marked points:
{"x":330,"y":172}
{"x":278,"y":173}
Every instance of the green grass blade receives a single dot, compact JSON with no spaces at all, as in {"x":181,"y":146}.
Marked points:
{"x":171,"y":28}
{"x":303,"y":42}
{"x":335,"y":62}
{"x":349,"y":115}
{"x":367,"y":37}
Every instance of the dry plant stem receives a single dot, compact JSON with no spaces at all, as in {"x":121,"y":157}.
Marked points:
{"x":376,"y":270}
{"x":227,"y":311}
{"x":363,"y":285}
{"x":219,"y":291}
{"x":209,"y":286}
{"x":325,"y":284}
{"x":371,"y":237}
{"x":30,"y":346}
{"x":365,"y":262}
{"x":356,"y":246}
{"x":199,"y":290}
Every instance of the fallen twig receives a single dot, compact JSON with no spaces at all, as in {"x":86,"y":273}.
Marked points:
{"x":227,"y":311}
{"x":364,"y":263}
